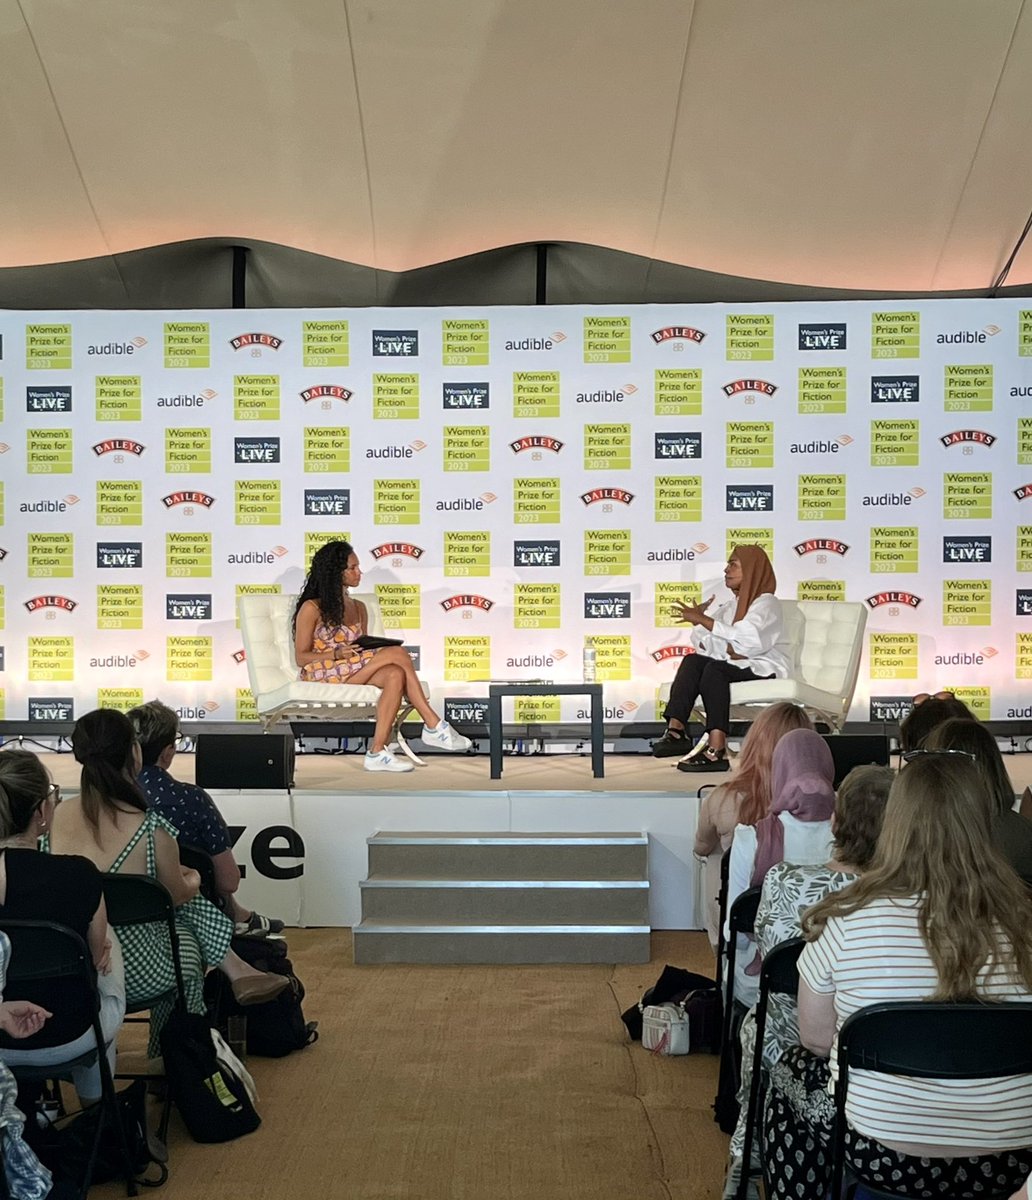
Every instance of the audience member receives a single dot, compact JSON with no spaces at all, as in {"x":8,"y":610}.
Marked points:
{"x":65,"y":889}
{"x":110,"y":824}
{"x":191,"y":810}
{"x":923,"y":718}
{"x":789,"y":889}
{"x":938,"y":916}
{"x":743,"y":800}
{"x":1012,"y":833}
{"x":797,"y":829}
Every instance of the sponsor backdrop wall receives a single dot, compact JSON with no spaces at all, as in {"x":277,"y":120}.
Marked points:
{"x":516,"y":481}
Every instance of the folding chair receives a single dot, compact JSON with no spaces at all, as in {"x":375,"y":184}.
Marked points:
{"x":741,"y":920}
{"x":43,"y":950}
{"x":200,"y":861}
{"x":779,"y":975}
{"x":927,"y":1040}
{"x":141,"y":900}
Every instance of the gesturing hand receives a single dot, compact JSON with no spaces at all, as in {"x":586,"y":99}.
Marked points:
{"x":691,"y":614}
{"x":22,"y":1018}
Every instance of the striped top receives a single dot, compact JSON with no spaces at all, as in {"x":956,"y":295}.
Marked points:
{"x":876,"y":956}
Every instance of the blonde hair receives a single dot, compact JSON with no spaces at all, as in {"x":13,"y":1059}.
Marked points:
{"x":936,"y":845}
{"x":752,"y":778}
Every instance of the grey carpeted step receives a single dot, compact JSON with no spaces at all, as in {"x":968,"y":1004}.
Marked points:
{"x":388,"y":942}
{"x":567,"y":902}
{"x":505,"y":898}
{"x":428,"y":855}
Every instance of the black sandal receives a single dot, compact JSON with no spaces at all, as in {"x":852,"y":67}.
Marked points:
{"x":708,"y":760}
{"x":672,"y":743}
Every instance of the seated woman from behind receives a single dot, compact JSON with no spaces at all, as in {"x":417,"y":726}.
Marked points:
{"x":797,"y":829}
{"x":110,"y":824}
{"x":65,"y":889}
{"x":744,"y":799}
{"x":939,"y":916}
{"x":789,"y":889}
{"x":1012,"y":833}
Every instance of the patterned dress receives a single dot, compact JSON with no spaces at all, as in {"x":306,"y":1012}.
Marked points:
{"x":788,"y":891}
{"x":204,"y":938}
{"x":335,"y":670}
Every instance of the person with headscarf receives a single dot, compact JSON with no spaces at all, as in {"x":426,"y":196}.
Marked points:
{"x":737,"y":641}
{"x":797,"y":829}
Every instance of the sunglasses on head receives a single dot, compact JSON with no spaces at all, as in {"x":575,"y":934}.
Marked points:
{"x":910,"y":755}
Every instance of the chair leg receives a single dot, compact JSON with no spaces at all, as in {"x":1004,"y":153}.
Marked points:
{"x":399,"y":737}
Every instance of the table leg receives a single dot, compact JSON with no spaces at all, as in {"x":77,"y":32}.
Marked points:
{"x":494,"y":724}
{"x":598,"y":769}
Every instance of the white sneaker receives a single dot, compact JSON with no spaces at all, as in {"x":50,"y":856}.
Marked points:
{"x":385,"y":761}
{"x":445,"y":738}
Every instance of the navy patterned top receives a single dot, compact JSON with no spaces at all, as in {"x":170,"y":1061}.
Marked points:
{"x":188,"y":807}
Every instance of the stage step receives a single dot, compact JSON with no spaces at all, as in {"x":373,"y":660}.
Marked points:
{"x":436,"y":897}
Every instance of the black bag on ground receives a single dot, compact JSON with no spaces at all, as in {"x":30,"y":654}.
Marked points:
{"x":729,"y":1075}
{"x":703,"y":1009}
{"x":65,"y":1145}
{"x":212,"y":1100}
{"x":276,"y":1028}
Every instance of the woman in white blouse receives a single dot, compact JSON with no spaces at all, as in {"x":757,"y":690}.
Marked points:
{"x":737,"y":641}
{"x":939,"y":916}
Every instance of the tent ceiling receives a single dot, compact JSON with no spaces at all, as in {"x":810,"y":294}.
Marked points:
{"x":827,"y":143}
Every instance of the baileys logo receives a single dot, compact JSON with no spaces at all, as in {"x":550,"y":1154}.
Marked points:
{"x":62,"y":602}
{"x":269,"y":340}
{"x":389,"y":549}
{"x":907,"y":599}
{"x":677,"y":333}
{"x":326,"y":391}
{"x":201,"y":498}
{"x":958,"y":436}
{"x":536,"y":442}
{"x":118,"y":446}
{"x":678,"y":650}
{"x":467,"y":600}
{"x":821,"y":546}
{"x":607,"y":494}
{"x":737,"y":386}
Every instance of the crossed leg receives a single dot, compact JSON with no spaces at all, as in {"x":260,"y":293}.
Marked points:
{"x":391,"y":671}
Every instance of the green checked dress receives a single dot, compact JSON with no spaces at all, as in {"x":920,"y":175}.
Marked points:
{"x":204,"y":938}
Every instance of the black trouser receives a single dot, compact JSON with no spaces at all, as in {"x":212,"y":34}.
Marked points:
{"x":710,"y":678}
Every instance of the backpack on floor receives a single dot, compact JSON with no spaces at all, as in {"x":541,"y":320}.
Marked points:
{"x":277,"y":1027}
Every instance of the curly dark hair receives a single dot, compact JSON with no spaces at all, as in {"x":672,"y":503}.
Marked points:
{"x":323,"y":584}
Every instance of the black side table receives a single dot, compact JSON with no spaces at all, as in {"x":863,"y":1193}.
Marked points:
{"x":496,"y":691}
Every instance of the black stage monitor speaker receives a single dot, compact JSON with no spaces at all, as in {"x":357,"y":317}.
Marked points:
{"x":245,"y":760}
{"x":851,"y":750}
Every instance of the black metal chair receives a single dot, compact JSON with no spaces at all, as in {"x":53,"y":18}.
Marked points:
{"x":927,"y":1040}
{"x":200,"y":861}
{"x":779,"y":975}
{"x":141,"y":900}
{"x":725,"y":864}
{"x":43,"y":950}
{"x":725,"y":1105}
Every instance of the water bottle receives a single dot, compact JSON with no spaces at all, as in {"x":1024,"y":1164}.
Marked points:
{"x":589,"y":663}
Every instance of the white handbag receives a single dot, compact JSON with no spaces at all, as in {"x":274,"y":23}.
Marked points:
{"x":664,"y":1029}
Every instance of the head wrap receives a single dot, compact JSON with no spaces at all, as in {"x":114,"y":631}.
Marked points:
{"x":802,"y":783}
